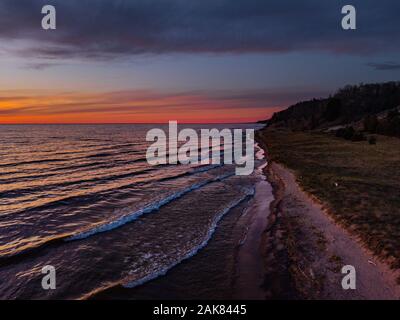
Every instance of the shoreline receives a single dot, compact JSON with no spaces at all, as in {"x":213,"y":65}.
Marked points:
{"x":250,"y":256}
{"x":305,"y":249}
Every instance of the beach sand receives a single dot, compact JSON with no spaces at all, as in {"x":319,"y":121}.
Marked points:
{"x":305,"y":250}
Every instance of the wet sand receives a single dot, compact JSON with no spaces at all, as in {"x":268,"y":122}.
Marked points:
{"x":250,"y":262}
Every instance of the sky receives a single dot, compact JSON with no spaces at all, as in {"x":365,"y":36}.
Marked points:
{"x":151,"y":61}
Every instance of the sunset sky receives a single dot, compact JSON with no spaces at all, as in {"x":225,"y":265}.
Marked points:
{"x":116,"y":61}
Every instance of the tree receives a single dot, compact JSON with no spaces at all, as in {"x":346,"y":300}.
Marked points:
{"x":333,"y":109}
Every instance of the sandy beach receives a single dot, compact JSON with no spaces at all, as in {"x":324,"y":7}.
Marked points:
{"x":305,"y":250}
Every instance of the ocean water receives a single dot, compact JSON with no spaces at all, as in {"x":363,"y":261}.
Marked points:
{"x":83,"y":198}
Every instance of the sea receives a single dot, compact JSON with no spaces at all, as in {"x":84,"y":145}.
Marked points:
{"x":84,"y":200}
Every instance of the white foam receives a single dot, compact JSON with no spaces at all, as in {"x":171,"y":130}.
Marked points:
{"x":147,"y":209}
{"x":163,"y":271}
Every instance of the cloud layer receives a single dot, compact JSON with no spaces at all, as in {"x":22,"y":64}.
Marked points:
{"x":106,"y":29}
{"x":385,"y":66}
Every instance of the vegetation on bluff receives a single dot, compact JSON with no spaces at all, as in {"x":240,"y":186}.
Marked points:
{"x":374,"y":105}
{"x":324,"y":141}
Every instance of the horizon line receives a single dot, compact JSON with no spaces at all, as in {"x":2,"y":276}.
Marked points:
{"x":126,"y":123}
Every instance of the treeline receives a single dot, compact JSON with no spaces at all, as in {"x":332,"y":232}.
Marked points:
{"x":349,"y":105}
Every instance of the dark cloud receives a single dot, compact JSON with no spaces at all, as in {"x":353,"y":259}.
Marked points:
{"x":385,"y":66}
{"x":39,"y":65}
{"x":106,"y":29}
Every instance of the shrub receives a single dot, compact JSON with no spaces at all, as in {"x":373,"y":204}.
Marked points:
{"x":345,"y":133}
{"x":372,"y":140}
{"x":349,"y":133}
{"x":358,"y":136}
{"x":371,"y":123}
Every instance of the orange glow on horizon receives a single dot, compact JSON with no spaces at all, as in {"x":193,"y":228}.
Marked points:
{"x":126,"y":107}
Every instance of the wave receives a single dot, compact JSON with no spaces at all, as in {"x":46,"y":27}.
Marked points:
{"x":147,"y":209}
{"x":66,"y":169}
{"x":20,"y":254}
{"x":14,"y":164}
{"x":100,"y":155}
{"x":195,"y":250}
{"x":191,"y":172}
{"x":52,"y":152}
{"x":13,"y":179}
{"x":17,"y":192}
{"x":69,"y":159}
{"x":132,"y":284}
{"x":83,"y":198}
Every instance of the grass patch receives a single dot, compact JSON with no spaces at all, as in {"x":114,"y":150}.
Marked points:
{"x":359,"y":182}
